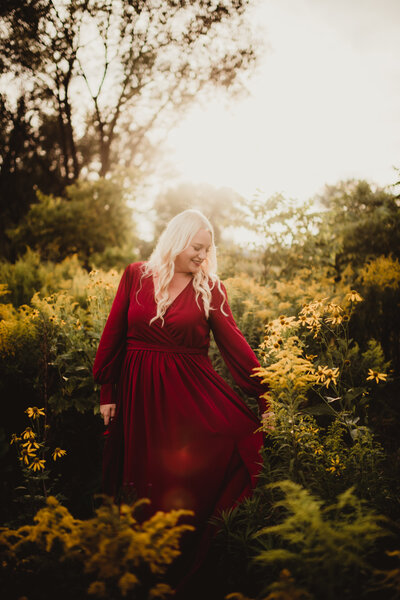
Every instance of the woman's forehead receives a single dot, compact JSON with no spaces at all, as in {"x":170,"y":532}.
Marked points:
{"x":203,"y":236}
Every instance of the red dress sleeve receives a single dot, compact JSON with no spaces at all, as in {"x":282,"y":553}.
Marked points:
{"x":236,"y":352}
{"x":111,"y":349}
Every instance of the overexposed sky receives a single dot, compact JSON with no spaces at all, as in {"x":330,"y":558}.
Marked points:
{"x":323,"y":105}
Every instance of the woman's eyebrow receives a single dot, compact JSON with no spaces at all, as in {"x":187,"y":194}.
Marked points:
{"x":201,"y":245}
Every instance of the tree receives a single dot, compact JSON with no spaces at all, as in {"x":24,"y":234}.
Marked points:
{"x":221,"y":206}
{"x":90,"y":219}
{"x":348,"y":224}
{"x":364,"y":222}
{"x":29,"y":160}
{"x":111,"y":71}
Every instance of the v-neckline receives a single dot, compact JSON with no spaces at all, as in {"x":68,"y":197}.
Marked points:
{"x":176,"y":297}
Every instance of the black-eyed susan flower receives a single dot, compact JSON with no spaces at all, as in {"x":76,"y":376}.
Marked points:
{"x":336,"y":465}
{"x":326,"y":375}
{"x":354,"y":297}
{"x":37,"y":464}
{"x":34,"y":412}
{"x":32,"y":445}
{"x":334,"y":319}
{"x":58,"y":453}
{"x":28,"y":434}
{"x":26,"y":455}
{"x":377,"y":376}
{"x":15,"y":438}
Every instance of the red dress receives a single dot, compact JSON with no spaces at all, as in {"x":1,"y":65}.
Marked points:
{"x":181,"y":436}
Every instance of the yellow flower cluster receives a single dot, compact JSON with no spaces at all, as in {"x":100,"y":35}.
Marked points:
{"x":16,"y":329}
{"x":290,"y":375}
{"x":28,"y":443}
{"x":313,"y":315}
{"x":327,"y":375}
{"x":382,"y":272}
{"x":113,"y":547}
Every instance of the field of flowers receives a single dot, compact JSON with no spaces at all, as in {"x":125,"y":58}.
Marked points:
{"x":323,"y":521}
{"x":93,"y":112}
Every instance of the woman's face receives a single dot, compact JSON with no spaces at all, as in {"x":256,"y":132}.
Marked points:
{"x":189,"y":261}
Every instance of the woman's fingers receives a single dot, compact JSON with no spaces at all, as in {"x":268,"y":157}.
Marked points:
{"x":107,"y":412}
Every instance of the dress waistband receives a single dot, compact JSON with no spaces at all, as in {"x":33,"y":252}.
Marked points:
{"x":136,"y":345}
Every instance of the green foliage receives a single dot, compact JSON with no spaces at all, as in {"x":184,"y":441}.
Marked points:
{"x":328,"y":548}
{"x":115,"y":554}
{"x":30,"y":274}
{"x":348,"y":224}
{"x":89,"y":219}
{"x":326,"y":460}
{"x":379,"y":283}
{"x":363,"y":222}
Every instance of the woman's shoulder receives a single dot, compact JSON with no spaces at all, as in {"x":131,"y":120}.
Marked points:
{"x":135,"y":267}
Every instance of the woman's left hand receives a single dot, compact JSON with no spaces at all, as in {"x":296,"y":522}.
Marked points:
{"x":107,"y":412}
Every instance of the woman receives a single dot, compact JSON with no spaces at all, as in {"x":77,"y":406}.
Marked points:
{"x":178,"y":434}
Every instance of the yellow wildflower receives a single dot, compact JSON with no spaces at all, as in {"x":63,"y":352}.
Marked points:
{"x":354,"y":297}
{"x":375,"y":375}
{"x":303,"y":320}
{"x":28,"y":434}
{"x":335,"y":465}
{"x":15,"y":438}
{"x":335,"y":319}
{"x":26,"y":454}
{"x":326,"y":375}
{"x":34,"y":412}
{"x":37,"y":464}
{"x":58,"y":453}
{"x":318,"y":451}
{"x":31,"y":445}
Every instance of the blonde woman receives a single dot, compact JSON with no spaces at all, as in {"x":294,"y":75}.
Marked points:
{"x":178,"y":434}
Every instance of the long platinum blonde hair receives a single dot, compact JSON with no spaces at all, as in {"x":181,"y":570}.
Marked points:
{"x":175,"y":238}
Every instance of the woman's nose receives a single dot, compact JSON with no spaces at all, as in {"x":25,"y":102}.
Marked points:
{"x":202,"y":254}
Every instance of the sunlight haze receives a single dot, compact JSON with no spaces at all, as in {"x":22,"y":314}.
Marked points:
{"x":323,"y":104}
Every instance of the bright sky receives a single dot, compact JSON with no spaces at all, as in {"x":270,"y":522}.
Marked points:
{"x":324,"y":104}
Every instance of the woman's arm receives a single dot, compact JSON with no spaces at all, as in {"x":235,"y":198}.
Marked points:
{"x":111,"y":349}
{"x":236,"y":352}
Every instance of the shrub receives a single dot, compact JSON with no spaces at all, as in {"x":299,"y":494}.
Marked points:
{"x":111,"y":555}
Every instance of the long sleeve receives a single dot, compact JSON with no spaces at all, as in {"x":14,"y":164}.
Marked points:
{"x":236,"y":352}
{"x":111,"y":349}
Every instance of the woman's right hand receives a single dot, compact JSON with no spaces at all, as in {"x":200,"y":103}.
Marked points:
{"x":107,"y":412}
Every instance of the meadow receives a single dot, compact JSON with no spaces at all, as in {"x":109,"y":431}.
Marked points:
{"x":319,"y":302}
